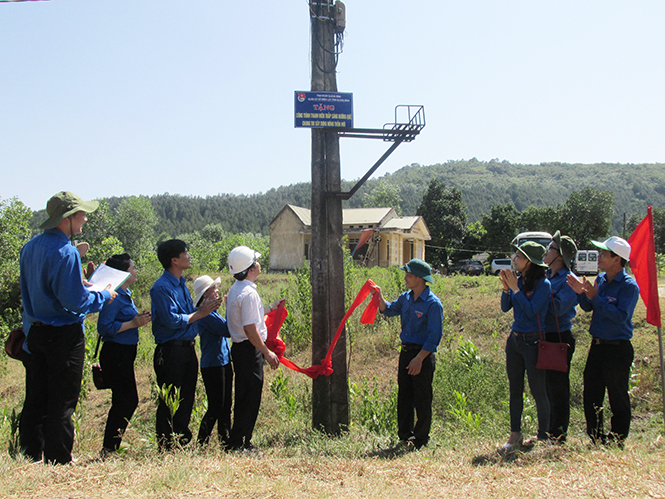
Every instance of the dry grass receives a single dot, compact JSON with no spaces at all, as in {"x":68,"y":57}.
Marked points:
{"x":572,"y":471}
{"x":294,"y":461}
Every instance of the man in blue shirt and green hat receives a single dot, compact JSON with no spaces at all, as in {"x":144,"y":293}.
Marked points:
{"x":421,"y":315}
{"x":55,"y":303}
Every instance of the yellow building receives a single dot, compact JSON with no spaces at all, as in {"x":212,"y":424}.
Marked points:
{"x":386,"y":239}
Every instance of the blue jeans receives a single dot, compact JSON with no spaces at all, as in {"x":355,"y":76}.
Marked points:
{"x":521,"y":356}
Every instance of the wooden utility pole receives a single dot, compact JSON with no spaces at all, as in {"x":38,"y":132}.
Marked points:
{"x":330,"y":401}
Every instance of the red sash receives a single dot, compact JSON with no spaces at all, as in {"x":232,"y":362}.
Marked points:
{"x":275,"y":319}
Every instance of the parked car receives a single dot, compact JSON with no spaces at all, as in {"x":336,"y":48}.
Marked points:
{"x":500,"y":264}
{"x":467,"y":267}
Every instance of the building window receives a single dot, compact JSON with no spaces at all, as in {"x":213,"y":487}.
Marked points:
{"x":306,"y":251}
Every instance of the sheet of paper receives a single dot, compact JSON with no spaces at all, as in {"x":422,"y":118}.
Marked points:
{"x":105,"y":275}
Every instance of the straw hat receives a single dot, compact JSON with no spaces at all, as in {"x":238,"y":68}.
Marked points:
{"x":203,"y":284}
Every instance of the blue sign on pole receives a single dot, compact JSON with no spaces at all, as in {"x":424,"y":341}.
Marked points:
{"x":323,"y":110}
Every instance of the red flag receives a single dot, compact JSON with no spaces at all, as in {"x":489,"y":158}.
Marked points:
{"x":643,"y":264}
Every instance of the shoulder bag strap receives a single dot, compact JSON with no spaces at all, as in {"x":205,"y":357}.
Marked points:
{"x":556,"y":317}
{"x":99,"y":339}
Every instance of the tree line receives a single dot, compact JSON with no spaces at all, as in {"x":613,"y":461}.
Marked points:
{"x":469,"y":206}
{"x":585,"y":215}
{"x":483,"y":184}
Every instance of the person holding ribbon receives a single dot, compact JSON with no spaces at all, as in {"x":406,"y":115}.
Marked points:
{"x":421,"y":316}
{"x":245,"y":315}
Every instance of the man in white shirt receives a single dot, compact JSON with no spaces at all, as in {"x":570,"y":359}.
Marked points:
{"x":245,"y":318}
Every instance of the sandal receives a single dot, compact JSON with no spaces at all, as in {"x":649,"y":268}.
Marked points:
{"x":514,"y":442}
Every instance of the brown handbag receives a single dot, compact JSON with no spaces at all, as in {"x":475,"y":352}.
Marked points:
{"x":552,"y":356}
{"x":101,"y":383}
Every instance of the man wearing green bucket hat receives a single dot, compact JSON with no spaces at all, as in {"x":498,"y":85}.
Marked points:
{"x":421,"y":315}
{"x":55,"y":303}
{"x":560,"y":256}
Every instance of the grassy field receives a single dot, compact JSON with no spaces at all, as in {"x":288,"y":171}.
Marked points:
{"x":292,"y":460}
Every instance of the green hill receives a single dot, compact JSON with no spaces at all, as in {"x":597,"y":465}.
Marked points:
{"x":483,"y":184}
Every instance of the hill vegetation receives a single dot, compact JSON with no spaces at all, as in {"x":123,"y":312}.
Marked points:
{"x":483,"y":184}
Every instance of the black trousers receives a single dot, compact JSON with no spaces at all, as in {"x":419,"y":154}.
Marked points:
{"x":31,"y":420}
{"x":56,"y":370}
{"x":248,"y":369}
{"x":117,"y":363}
{"x":558,"y":390}
{"x":218,"y":381}
{"x":414,"y":394}
{"x":178,"y":366}
{"x":608,"y":367}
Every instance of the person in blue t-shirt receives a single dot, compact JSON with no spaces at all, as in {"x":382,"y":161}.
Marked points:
{"x":55,"y":303}
{"x":174,"y":328}
{"x":421,"y":318}
{"x":216,"y":369}
{"x":528,"y":296}
{"x":560,"y":256}
{"x":118,"y":325}
{"x":612,"y":298}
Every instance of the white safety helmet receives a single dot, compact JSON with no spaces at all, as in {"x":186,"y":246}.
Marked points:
{"x":241,"y":258}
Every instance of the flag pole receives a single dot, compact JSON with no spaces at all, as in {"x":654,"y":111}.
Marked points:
{"x":662,"y":370}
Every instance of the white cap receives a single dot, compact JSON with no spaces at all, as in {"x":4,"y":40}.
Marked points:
{"x":616,"y":245}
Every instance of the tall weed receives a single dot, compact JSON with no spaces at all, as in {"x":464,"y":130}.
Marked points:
{"x":372,"y":408}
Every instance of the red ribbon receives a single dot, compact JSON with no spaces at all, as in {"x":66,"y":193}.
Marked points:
{"x":275,"y":319}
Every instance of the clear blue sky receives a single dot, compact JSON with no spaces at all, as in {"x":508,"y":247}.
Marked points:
{"x":129,"y":97}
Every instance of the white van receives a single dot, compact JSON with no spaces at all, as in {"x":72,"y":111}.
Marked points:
{"x":543,"y":238}
{"x":586,"y":262}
